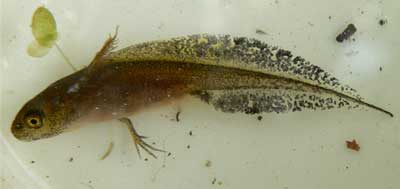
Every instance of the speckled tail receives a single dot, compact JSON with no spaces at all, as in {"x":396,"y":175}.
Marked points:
{"x":238,"y":52}
{"x":254,"y":101}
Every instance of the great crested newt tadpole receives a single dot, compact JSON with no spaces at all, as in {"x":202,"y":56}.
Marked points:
{"x":233,"y":74}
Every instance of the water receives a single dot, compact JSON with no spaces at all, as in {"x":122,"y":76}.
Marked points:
{"x":296,"y":150}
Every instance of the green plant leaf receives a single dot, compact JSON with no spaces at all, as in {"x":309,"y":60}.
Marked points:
{"x":37,"y":50}
{"x":44,"y":27}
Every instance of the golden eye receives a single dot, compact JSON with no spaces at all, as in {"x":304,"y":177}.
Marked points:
{"x":34,"y":121}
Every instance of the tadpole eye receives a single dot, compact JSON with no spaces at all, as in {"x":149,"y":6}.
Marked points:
{"x":33,"y":120}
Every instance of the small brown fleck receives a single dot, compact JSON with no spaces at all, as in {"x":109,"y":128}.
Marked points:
{"x":32,"y":162}
{"x":380,"y":68}
{"x":214,"y":180}
{"x":259,"y":118}
{"x":353,"y":145}
{"x":190,"y":133}
{"x":169,"y":154}
{"x":71,"y":159}
{"x":108,"y":151}
{"x":188,"y":146}
{"x":145,"y":159}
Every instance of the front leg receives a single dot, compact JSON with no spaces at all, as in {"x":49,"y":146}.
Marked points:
{"x":138,"y":140}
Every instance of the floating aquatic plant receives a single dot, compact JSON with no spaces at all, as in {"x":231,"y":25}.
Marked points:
{"x":44,"y":30}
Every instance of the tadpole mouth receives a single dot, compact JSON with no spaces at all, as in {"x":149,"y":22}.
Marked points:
{"x":18,"y":131}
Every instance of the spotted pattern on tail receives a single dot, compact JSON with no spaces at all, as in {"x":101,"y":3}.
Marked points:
{"x":239,"y":52}
{"x":255,"y":101}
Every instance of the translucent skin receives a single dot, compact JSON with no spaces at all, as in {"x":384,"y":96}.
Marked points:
{"x":117,"y":90}
{"x":258,"y":78}
{"x":120,"y":89}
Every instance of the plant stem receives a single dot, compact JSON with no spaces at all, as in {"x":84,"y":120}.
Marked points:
{"x":65,"y":57}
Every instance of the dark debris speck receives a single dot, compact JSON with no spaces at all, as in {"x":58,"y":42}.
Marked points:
{"x":353,"y":145}
{"x":177,"y":116}
{"x":208,"y":163}
{"x":259,"y":118}
{"x":347,"y":33}
{"x":214,"y":180}
{"x":382,"y":22}
{"x":260,"y":32}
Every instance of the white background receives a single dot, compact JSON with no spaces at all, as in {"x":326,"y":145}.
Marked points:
{"x":295,"y":150}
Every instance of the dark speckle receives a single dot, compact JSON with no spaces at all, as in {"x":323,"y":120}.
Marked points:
{"x":32,"y":162}
{"x":169,"y":154}
{"x":190,"y":133}
{"x":145,"y":159}
{"x":188,"y":146}
{"x":380,"y":68}
{"x":259,"y":118}
{"x":204,"y":96}
{"x":208,"y":163}
{"x":260,"y":32}
{"x":347,"y":33}
{"x":71,"y":159}
{"x":214,"y":180}
{"x":177,"y":116}
{"x":382,"y":22}
{"x":251,"y":110}
{"x":239,"y":40}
